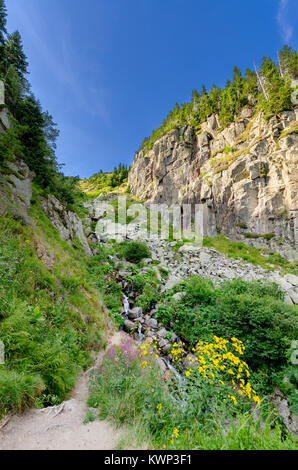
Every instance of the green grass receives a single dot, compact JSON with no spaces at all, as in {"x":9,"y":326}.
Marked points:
{"x":147,"y":288}
{"x":132,"y":394}
{"x":241,"y":251}
{"x":50,"y":317}
{"x":293,"y":129}
{"x":100,"y":270}
{"x":266,"y":236}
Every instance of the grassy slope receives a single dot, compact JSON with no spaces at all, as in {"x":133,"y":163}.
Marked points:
{"x":50,"y":318}
{"x":239,"y":250}
{"x":93,"y":188}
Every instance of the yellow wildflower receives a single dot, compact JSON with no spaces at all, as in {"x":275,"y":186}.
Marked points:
{"x":159,"y":407}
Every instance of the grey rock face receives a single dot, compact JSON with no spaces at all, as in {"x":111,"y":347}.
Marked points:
{"x":293,"y":296}
{"x":281,"y":404}
{"x":292,"y":279}
{"x":68,"y":224}
{"x":147,"y":261}
{"x":152,"y":323}
{"x":165,"y":346}
{"x":172,"y":282}
{"x":178,"y":296}
{"x":162,"y":333}
{"x":5,"y":122}
{"x":255,"y":184}
{"x":16,"y":190}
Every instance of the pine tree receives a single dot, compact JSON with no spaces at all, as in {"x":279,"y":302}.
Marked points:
{"x":215,"y":99}
{"x":3,"y":19}
{"x":15,"y":55}
{"x":13,"y":88}
{"x":250,"y":84}
{"x":37,"y":140}
{"x":3,"y":33}
{"x":278,"y":89}
{"x":269,"y":88}
{"x":288,"y":59}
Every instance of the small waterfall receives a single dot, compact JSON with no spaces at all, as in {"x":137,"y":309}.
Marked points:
{"x":140,"y":334}
{"x":99,"y":240}
{"x":126,"y":305}
{"x":181,"y":381}
{"x":172,"y":368}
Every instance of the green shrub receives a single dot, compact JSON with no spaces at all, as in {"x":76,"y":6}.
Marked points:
{"x":17,"y":389}
{"x":239,"y":250}
{"x":135,"y":251}
{"x":100,"y":269}
{"x":147,"y":288}
{"x":254,"y":312}
{"x":197,"y":291}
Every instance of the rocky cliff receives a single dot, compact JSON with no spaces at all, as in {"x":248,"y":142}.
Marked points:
{"x":245,"y":175}
{"x":15,"y":180}
{"x":15,"y":199}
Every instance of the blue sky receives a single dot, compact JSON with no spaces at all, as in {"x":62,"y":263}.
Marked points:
{"x":109,"y":71}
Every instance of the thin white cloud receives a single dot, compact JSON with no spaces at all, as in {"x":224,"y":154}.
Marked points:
{"x":285,"y":27}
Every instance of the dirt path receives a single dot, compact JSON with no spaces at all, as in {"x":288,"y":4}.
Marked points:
{"x":60,"y":427}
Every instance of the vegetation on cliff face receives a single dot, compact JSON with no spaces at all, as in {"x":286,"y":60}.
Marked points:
{"x":269,"y":90}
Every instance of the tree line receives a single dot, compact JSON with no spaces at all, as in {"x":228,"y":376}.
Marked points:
{"x":269,"y":89}
{"x":110,"y":180}
{"x":34,"y":133}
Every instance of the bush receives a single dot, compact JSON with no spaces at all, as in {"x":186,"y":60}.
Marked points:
{"x":198,"y":291}
{"x":100,"y":268}
{"x":147,"y":287}
{"x":17,"y":389}
{"x":134,"y":252}
{"x":254,"y":312}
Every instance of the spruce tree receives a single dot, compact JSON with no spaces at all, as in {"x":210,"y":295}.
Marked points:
{"x":15,"y":55}
{"x":278,"y":89}
{"x":3,"y":19}
{"x":3,"y":33}
{"x":13,"y":88}
{"x":288,"y":60}
{"x":39,"y":149}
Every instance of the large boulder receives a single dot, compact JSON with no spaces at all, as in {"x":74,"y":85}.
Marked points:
{"x":129,"y":326}
{"x":16,"y":190}
{"x":135,"y":313}
{"x":67,"y":223}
